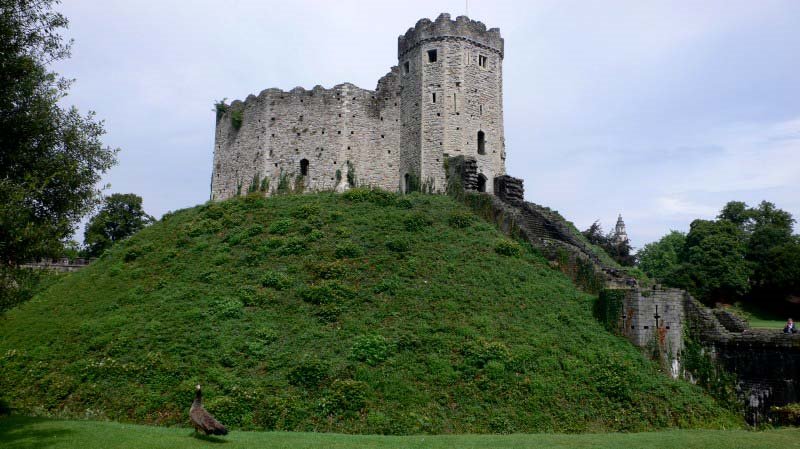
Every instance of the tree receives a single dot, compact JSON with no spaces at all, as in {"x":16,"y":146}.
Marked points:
{"x":121,"y":216}
{"x":779,"y":273}
{"x":713,"y":261}
{"x":595,"y":234}
{"x":737,"y":213}
{"x":51,"y":158}
{"x":660,"y":259}
{"x":620,"y":251}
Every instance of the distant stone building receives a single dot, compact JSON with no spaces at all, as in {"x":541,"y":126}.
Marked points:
{"x":620,"y":235}
{"x":443,"y":99}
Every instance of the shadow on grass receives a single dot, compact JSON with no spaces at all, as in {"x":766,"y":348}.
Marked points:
{"x":208,"y":438}
{"x":18,"y":432}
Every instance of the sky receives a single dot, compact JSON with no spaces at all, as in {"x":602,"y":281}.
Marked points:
{"x":661,"y":111}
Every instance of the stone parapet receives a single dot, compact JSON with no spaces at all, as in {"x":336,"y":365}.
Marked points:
{"x":443,"y":27}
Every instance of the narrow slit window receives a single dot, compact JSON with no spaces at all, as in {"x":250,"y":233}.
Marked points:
{"x":304,"y":167}
{"x":406,"y":67}
{"x":433,"y":97}
{"x":432,"y":55}
{"x":481,"y":142}
{"x":482,"y":61}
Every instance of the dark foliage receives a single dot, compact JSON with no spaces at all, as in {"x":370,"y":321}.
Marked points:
{"x":51,"y":158}
{"x":120,"y":216}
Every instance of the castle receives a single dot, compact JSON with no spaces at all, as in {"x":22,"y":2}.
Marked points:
{"x":444,"y":99}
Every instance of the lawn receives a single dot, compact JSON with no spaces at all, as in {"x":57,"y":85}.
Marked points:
{"x":21,"y":433}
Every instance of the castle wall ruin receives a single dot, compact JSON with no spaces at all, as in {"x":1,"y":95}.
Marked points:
{"x":443,"y":99}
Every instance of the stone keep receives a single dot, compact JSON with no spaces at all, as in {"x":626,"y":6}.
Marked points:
{"x":443,"y":99}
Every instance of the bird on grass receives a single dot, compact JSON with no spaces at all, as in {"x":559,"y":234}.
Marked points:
{"x":201,"y":419}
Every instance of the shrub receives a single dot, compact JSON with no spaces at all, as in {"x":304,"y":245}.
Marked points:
{"x":276,"y":280}
{"x":315,"y":235}
{"x":293,"y":246}
{"x":328,"y":313}
{"x":375,"y":196}
{"x":273,"y":243}
{"x":267,"y":335}
{"x":347,"y":250}
{"x":387,"y":285}
{"x":306,"y":211}
{"x":254,"y":230}
{"x":481,"y":352}
{"x":347,"y":395}
{"x":398,"y":245}
{"x":247,"y":295}
{"x":416,"y":222}
{"x":329,"y":292}
{"x":788,"y":415}
{"x":226,"y":409}
{"x":507,"y":248}
{"x":280,"y":227}
{"x":228,"y":308}
{"x":328,"y":270}
{"x":309,"y":374}
{"x":237,"y":116}
{"x":460,"y":220}
{"x":132,"y":254}
{"x":371,"y":349}
{"x":404,"y":203}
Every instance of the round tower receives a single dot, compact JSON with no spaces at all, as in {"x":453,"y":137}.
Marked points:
{"x":451,"y":82}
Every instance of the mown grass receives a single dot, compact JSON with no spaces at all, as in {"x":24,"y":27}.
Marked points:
{"x":24,"y":433}
{"x":358,"y":313}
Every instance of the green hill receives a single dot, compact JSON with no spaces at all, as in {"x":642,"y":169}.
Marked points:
{"x":360,"y":313}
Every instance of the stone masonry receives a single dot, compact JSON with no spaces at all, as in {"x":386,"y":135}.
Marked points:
{"x":443,"y":99}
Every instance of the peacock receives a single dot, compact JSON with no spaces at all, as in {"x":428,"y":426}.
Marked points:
{"x":201,"y":419}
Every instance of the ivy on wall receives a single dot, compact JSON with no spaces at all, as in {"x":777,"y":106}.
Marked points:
{"x":608,"y":308}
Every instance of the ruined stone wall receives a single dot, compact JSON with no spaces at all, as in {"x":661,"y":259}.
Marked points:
{"x":422,"y":111}
{"x":326,"y":127}
{"x":654,"y":316}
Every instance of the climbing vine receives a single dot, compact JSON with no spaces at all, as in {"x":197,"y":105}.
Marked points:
{"x":608,"y":308}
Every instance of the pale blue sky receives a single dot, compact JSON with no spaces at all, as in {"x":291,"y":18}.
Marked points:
{"x":662,"y":111}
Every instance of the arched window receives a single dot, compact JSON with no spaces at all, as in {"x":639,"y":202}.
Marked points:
{"x":304,"y":167}
{"x":481,"y":183}
{"x":481,"y":142}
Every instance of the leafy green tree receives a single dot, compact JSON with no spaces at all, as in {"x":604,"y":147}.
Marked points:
{"x":713,"y":261}
{"x":51,"y":158}
{"x":122,"y":215}
{"x":737,"y":212}
{"x":779,"y":273}
{"x":660,"y":259}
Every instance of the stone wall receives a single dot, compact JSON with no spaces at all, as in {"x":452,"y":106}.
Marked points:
{"x":655,"y":317}
{"x":63,"y":265}
{"x":336,"y":130}
{"x":420,"y":113}
{"x":766,"y":362}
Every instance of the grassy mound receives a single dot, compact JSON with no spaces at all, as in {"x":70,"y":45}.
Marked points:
{"x":360,"y":313}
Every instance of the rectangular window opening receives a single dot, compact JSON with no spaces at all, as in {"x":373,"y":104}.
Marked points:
{"x":482,"y":61}
{"x":432,"y":55}
{"x":433,"y":97}
{"x":406,"y":67}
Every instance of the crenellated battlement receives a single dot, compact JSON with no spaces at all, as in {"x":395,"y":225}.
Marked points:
{"x":443,"y":27}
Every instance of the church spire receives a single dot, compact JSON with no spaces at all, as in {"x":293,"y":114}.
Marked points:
{"x":620,"y":235}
